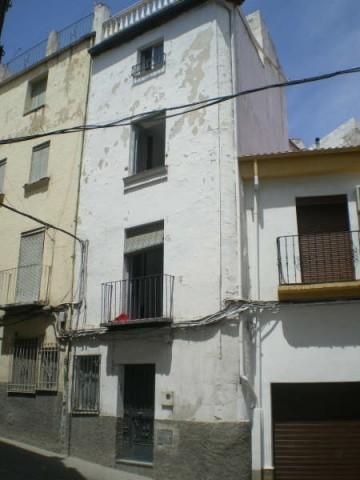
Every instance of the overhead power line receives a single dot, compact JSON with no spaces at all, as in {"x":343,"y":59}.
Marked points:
{"x":41,"y":222}
{"x":185,"y":108}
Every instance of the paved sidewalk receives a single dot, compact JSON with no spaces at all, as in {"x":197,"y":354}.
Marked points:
{"x":19,"y":461}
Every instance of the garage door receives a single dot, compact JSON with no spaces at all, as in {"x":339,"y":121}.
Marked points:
{"x":316,"y":431}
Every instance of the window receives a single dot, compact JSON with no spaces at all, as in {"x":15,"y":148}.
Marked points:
{"x":149,"y":143}
{"x":325,"y":239}
{"x":150,"y":59}
{"x":36,"y":94}
{"x":144,"y":251}
{"x":86,"y":384}
{"x":30,"y":268}
{"x":39,"y":162}
{"x":34,"y":367}
{"x":2,"y":175}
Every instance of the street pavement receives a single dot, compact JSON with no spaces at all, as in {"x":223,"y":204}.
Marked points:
{"x":23,"y":462}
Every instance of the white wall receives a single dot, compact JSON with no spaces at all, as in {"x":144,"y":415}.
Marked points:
{"x":277,"y":217}
{"x":198,"y":199}
{"x":209,"y":392}
{"x":307,"y":343}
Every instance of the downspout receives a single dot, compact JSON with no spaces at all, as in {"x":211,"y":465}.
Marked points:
{"x":258,"y":412}
{"x":68,"y":359}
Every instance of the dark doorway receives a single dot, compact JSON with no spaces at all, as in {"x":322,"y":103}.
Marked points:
{"x":145,"y":295}
{"x":138,"y":422}
{"x":325,"y":241}
{"x":316,"y":431}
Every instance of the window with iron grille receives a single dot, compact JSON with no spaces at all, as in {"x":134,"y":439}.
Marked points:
{"x":34,"y":366}
{"x":39,"y":162}
{"x":48,"y":368}
{"x":86,"y":384}
{"x":150,"y":59}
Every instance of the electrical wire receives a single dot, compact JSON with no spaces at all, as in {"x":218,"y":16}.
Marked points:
{"x":186,"y":108}
{"x":38,"y":220}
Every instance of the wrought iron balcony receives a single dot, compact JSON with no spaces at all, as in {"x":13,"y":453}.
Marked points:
{"x":27,"y":285}
{"x":137,"y":300}
{"x":148,"y":66}
{"x":319,"y":258}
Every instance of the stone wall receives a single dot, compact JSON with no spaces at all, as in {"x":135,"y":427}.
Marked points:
{"x":33,"y":419}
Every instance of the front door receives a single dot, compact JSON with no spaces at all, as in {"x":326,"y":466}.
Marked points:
{"x":29,"y":274}
{"x":138,"y":422}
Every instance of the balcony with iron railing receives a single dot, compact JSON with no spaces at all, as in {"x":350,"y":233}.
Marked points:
{"x":24,"y":286}
{"x":144,"y":300}
{"x":319,"y":266}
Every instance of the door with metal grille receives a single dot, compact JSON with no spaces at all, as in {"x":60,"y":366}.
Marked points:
{"x":29,"y":274}
{"x":138,"y":421}
{"x":325,"y":242}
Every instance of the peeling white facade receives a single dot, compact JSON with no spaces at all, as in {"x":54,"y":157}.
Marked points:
{"x":211,"y":50}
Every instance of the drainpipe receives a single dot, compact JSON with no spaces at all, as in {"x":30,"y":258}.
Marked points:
{"x":258,"y":421}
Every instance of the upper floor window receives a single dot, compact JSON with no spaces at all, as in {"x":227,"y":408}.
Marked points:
{"x":150,"y":59}
{"x":36,"y":94}
{"x":149,"y":143}
{"x":325,"y":239}
{"x":2,"y":175}
{"x":39,"y":162}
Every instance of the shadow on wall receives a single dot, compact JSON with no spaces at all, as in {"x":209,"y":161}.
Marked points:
{"x":19,"y":464}
{"x":321,"y":326}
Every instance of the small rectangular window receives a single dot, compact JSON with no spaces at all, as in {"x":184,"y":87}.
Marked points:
{"x":39,"y":162}
{"x":24,"y":366}
{"x":149,"y":143}
{"x":150,"y":58}
{"x":86,"y":385}
{"x":2,"y":174}
{"x":36,"y":93}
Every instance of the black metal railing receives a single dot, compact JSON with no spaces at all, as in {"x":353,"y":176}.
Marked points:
{"x":148,"y":66}
{"x":144,"y":298}
{"x":38,"y":52}
{"x":318,"y":258}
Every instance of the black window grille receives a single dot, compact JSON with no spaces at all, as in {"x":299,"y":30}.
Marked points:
{"x":86,"y":384}
{"x":34,"y":366}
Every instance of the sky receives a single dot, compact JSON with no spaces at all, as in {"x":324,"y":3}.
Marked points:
{"x":311,"y":37}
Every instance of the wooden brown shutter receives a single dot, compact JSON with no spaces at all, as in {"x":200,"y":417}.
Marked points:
{"x":325,"y":242}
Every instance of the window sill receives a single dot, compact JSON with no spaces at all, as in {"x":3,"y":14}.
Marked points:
{"x":84,"y":413}
{"x":135,"y":463}
{"x":39,"y":186}
{"x":33,"y":110}
{"x":146,"y":178}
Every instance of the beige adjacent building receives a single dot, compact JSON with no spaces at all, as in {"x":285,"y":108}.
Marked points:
{"x":43,"y":90}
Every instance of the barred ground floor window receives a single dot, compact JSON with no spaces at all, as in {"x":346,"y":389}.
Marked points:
{"x":86,"y":384}
{"x":34,"y":366}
